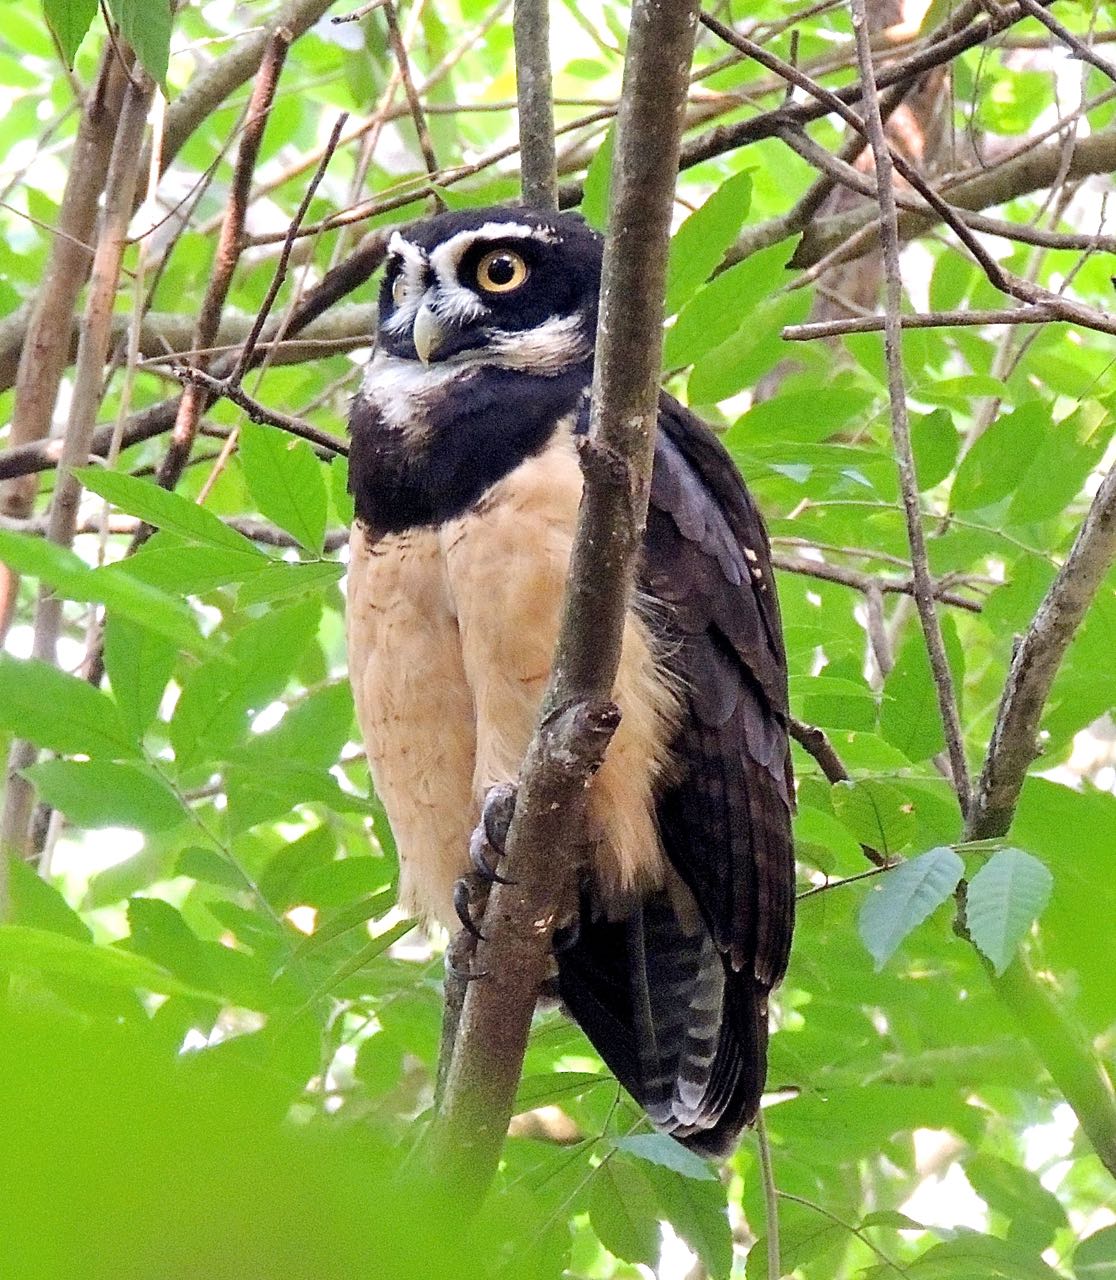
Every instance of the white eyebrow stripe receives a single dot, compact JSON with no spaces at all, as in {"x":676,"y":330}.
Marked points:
{"x":414,"y":275}
{"x":446,"y":258}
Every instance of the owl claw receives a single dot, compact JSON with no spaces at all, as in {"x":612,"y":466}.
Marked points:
{"x":462,"y":902}
{"x":489,"y":839}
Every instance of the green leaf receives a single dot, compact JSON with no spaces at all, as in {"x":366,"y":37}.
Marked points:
{"x":339,"y":489}
{"x":192,"y":570}
{"x":719,"y":309}
{"x":347,"y":918}
{"x":598,"y":182}
{"x":1005,"y":898}
{"x":744,"y":359}
{"x":910,"y":718}
{"x":1057,"y":470}
{"x":704,"y":237}
{"x":163,"y":509}
{"x":547,"y":1087}
{"x":26,"y":950}
{"x":1034,"y":1213}
{"x":208,"y":866}
{"x":34,"y":902}
{"x":936,"y":444}
{"x":999,"y":459}
{"x":59,"y":711}
{"x":146,"y":25}
{"x":139,"y":665}
{"x":285,"y":479}
{"x":111,"y":586}
{"x":699,"y":1214}
{"x":280,"y":581}
{"x":658,"y":1148}
{"x":1095,"y":1257}
{"x":902,"y":899}
{"x":624,"y":1211}
{"x":971,"y":1256}
{"x":97,"y":793}
{"x":70,"y":20}
{"x":251,"y":670}
{"x":876,"y":813}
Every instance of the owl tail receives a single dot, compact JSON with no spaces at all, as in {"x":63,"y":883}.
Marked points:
{"x":683,"y":1032}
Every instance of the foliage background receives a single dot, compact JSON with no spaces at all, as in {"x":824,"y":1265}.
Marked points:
{"x":212,"y":873}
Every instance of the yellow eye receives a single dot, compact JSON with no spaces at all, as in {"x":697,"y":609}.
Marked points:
{"x":501,"y":271}
{"x":399,"y":290}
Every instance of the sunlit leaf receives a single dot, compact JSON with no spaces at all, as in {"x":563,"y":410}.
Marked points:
{"x":1004,"y":899}
{"x":902,"y":899}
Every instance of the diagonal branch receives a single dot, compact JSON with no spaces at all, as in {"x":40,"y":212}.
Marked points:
{"x":578,"y":716}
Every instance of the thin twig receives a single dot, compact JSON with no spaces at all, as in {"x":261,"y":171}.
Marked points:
{"x":403,"y":62}
{"x":1080,"y":48}
{"x":865,"y":582}
{"x":900,"y":424}
{"x":770,"y":1200}
{"x":1038,"y":314}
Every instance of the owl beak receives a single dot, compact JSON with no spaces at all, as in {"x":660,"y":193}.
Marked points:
{"x":428,"y":334}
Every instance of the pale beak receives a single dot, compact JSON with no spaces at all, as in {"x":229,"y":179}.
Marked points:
{"x":428,"y":334}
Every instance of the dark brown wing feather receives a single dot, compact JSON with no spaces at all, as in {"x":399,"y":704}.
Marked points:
{"x":678,"y":1007}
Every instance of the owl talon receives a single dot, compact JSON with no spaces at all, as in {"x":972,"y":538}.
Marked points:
{"x":462,"y":902}
{"x":497,"y":814}
{"x":479,"y":844}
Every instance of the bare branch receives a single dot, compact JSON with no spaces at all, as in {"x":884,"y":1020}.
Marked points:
{"x":543,"y":844}
{"x":1079,"y":47}
{"x":926,"y":320}
{"x":866,"y":582}
{"x":538,"y":165}
{"x":900,"y":423}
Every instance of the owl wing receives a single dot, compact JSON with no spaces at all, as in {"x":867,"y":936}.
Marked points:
{"x":676,"y":1000}
{"x":726,"y":821}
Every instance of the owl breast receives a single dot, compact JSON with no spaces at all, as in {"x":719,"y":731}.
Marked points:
{"x":451,"y":635}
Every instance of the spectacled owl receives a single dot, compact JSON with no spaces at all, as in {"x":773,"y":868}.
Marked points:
{"x":466,"y":484}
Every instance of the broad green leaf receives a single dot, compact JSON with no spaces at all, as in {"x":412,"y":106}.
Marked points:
{"x":698,"y":1212}
{"x":193,"y":570}
{"x":313,"y":731}
{"x":163,"y":509}
{"x":936,"y":443}
{"x":725,"y":304}
{"x":345,"y":919}
{"x":249,"y":672}
{"x":146,"y":25}
{"x":339,"y":489}
{"x":793,"y":415}
{"x":757,"y":347}
{"x":902,"y":899}
{"x":548,"y":1087}
{"x":624,"y":1211}
{"x":59,"y":711}
{"x":875,"y":813}
{"x":26,"y":950}
{"x":139,"y":665}
{"x":363,"y":958}
{"x":1069,"y":451}
{"x":598,"y":183}
{"x":971,"y":1256}
{"x":285,"y":479}
{"x":70,"y":20}
{"x":1095,"y":1257}
{"x":280,"y":580}
{"x":999,"y":459}
{"x":34,"y":902}
{"x":705,"y":237}
{"x":910,"y":718}
{"x":111,"y":586}
{"x":657,"y":1148}
{"x":209,"y":866}
{"x":1034,"y":1213}
{"x":98,"y":793}
{"x":1005,"y":897}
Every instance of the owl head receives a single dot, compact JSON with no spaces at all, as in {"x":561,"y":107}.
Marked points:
{"x":483,"y":356}
{"x":508,"y":288}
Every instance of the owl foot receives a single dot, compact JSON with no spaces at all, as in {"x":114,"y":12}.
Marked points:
{"x":467,"y":891}
{"x":489,"y":838}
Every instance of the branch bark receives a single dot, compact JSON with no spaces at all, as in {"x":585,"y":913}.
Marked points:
{"x":578,"y":717}
{"x":120,"y":190}
{"x":538,"y":165}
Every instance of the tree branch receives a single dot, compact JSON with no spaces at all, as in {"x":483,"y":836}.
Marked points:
{"x":578,"y":718}
{"x":120,"y":190}
{"x":538,"y":165}
{"x":900,"y":423}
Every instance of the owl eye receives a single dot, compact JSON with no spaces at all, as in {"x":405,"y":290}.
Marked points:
{"x":501,"y":271}
{"x":399,"y":290}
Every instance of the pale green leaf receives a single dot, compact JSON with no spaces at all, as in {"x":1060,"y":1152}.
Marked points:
{"x":624,"y":1211}
{"x":703,"y":239}
{"x":59,"y":711}
{"x":99,"y":793}
{"x":902,"y":899}
{"x":1005,"y":897}
{"x":285,"y":479}
{"x":658,"y":1148}
{"x":70,"y":20}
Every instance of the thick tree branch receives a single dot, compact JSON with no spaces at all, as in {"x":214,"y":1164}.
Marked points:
{"x":544,"y":842}
{"x":538,"y":165}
